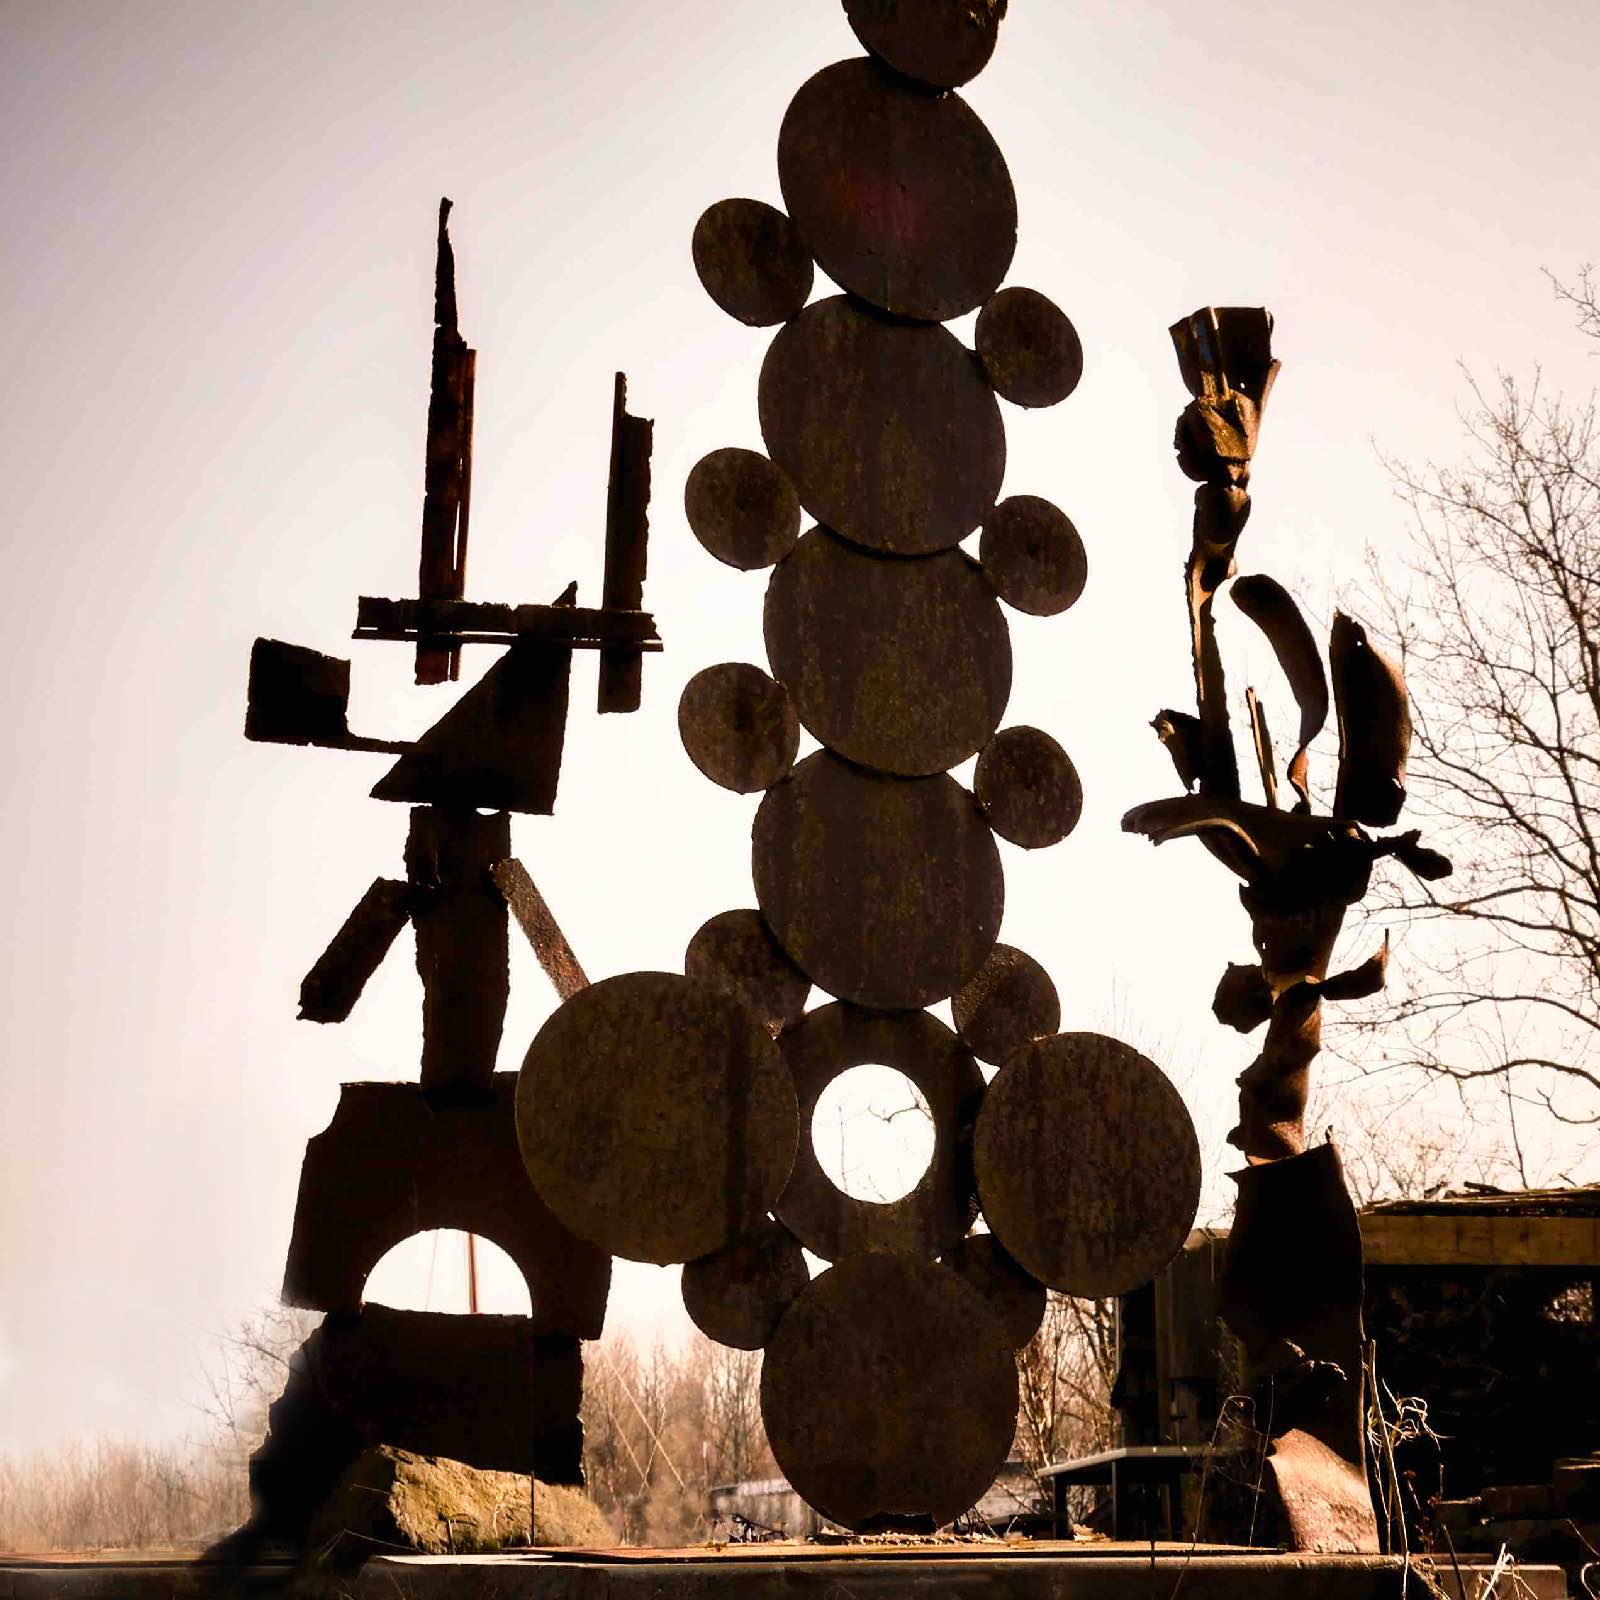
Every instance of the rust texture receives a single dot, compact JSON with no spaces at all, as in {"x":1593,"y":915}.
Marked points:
{"x":751,"y":262}
{"x":742,"y":508}
{"x":736,"y":951}
{"x":1009,"y":1002}
{"x":1008,"y":1289}
{"x":1028,"y":788}
{"x":737,"y":1295}
{"x":934,"y":41}
{"x":538,"y":923}
{"x":1033,"y":556}
{"x":738,"y":726}
{"x":1029,"y":349}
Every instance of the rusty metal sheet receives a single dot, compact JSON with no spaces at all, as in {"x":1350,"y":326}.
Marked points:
{"x":736,"y":951}
{"x":627,"y":545}
{"x":939,"y":1210}
{"x":397,"y":1160}
{"x":738,"y":1294}
{"x":476,"y":621}
{"x":656,"y":1116}
{"x":1325,"y":1500}
{"x":885,"y":891}
{"x":538,"y":923}
{"x":1033,"y":556}
{"x":331,"y":988}
{"x":1271,"y":607}
{"x":1374,"y":714}
{"x":1028,"y":347}
{"x":889,"y":1394}
{"x":1087,"y":1163}
{"x":742,"y":508}
{"x":296,"y":696}
{"x":1009,"y":1003}
{"x":942,"y":43}
{"x":1015,"y":1296}
{"x":1028,"y":788}
{"x":901,"y":196}
{"x":738,"y":726}
{"x":751,"y":261}
{"x":903,"y":666}
{"x":888,"y":430}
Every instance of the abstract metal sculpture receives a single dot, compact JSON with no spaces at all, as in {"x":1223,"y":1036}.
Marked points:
{"x":1291,"y":1287}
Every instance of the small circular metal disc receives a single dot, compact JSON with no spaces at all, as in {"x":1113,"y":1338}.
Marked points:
{"x":889,"y":431}
{"x":737,"y":1294}
{"x":1028,"y":347}
{"x":889,"y":1394}
{"x":943,"y":43}
{"x":940,"y":1209}
{"x":656,"y":1117}
{"x":751,"y":261}
{"x":738,"y":726}
{"x":742,"y":508}
{"x":1028,"y":788}
{"x":1010,"y":1003}
{"x":901,"y":196}
{"x":736,"y":951}
{"x":1033,"y":556}
{"x":902,"y":665}
{"x":1088,"y":1166}
{"x":1016,"y":1297}
{"x":886,"y":891}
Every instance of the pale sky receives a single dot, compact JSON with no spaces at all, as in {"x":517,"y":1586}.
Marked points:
{"x":217,"y":287}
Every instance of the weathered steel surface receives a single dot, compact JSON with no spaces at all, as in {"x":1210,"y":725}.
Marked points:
{"x":889,"y":1393}
{"x":939,"y":1210}
{"x":1029,"y":349}
{"x":736,"y":951}
{"x":656,"y":1116}
{"x":738,"y":726}
{"x":885,"y":891}
{"x":1270,"y":606}
{"x":742,"y":508}
{"x":904,"y":666}
{"x":1033,"y":556}
{"x":1028,"y":788}
{"x":751,"y":261}
{"x":397,"y":1161}
{"x":1087,"y":1164}
{"x":627,"y":542}
{"x":942,"y":43}
{"x":1009,"y":1002}
{"x":1369,"y":693}
{"x":467,"y":621}
{"x":888,"y":430}
{"x":538,"y":923}
{"x":901,"y":196}
{"x":1014,"y":1295}
{"x":331,"y":988}
{"x":736,"y":1295}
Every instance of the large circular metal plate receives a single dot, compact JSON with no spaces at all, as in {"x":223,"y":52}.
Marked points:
{"x":738,"y":726}
{"x":742,"y":508}
{"x":903,"y":665}
{"x":736,"y":1295}
{"x":1016,"y":1297}
{"x":885,"y":891}
{"x":888,"y":430}
{"x":736,"y":951}
{"x":1009,"y":1003}
{"x":1088,"y":1166}
{"x":1028,"y":788}
{"x":1028,"y":347}
{"x":751,"y":261}
{"x":1033,"y":556}
{"x":889,"y":1394}
{"x":903,"y":197}
{"x":940,"y":1209}
{"x":656,"y":1116}
{"x":942,"y":43}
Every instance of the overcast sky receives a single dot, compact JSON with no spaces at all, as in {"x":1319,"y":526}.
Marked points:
{"x":217,"y":289}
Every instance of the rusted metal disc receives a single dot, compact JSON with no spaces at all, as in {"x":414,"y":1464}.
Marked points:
{"x":738,"y":726}
{"x":1088,"y":1166}
{"x":656,"y":1116}
{"x":1028,"y":787}
{"x":742,"y":508}
{"x":736,"y":951}
{"x":939,"y":42}
{"x":1015,"y":1296}
{"x":902,"y":196}
{"x":886,"y":891}
{"x":1033,"y":556}
{"x":1028,"y":347}
{"x":751,"y":261}
{"x":889,"y":431}
{"x":1009,"y":1003}
{"x":737,"y":1294}
{"x":903,"y":665}
{"x":889,"y":1394}
{"x":940,"y":1209}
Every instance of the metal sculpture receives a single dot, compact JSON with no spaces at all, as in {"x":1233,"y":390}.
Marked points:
{"x":401,"y":1158}
{"x":1291,"y":1287}
{"x":667,"y":1118}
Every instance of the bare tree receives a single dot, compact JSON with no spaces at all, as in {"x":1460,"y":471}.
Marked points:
{"x":1064,"y":1378}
